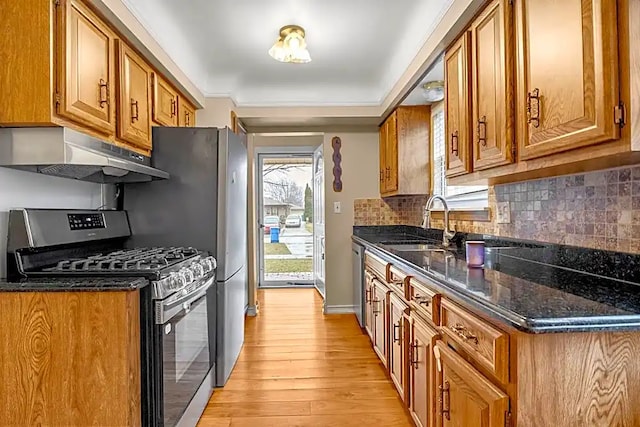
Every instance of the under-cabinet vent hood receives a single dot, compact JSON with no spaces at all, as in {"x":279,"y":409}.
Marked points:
{"x":64,"y":152}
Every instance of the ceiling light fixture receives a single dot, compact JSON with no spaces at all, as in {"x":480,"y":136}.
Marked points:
{"x":433,"y":91}
{"x":291,"y":46}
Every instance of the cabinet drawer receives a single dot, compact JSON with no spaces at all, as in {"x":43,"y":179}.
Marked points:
{"x":423,"y":300}
{"x":486,"y":344}
{"x":377,"y":266}
{"x":397,"y":281}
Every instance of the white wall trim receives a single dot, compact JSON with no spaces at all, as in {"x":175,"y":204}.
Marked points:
{"x":339,"y":309}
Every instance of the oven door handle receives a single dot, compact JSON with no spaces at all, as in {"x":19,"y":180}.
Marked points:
{"x":167,"y":310}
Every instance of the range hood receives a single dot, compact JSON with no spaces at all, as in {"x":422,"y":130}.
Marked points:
{"x":67,"y":153}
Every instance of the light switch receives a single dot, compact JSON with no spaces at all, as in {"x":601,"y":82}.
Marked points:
{"x":337,"y":207}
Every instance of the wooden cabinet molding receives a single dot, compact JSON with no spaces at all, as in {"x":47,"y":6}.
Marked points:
{"x":134,"y":100}
{"x":560,"y":111}
{"x":165,"y":102}
{"x":405,"y":167}
{"x":457,"y":106}
{"x":85,"y":73}
{"x":492,"y":119}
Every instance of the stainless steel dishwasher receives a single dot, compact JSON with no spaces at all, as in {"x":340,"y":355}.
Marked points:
{"x":358,"y":282}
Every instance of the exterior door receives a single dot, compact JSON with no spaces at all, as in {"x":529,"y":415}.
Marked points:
{"x":85,"y":68}
{"x":567,"y":74}
{"x":457,"y":107}
{"x":468,"y":398}
{"x":492,"y":94}
{"x":134,"y":124}
{"x":422,"y":374}
{"x":319,"y":245}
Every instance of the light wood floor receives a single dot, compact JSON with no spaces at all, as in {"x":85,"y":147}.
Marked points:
{"x":300,"y":368}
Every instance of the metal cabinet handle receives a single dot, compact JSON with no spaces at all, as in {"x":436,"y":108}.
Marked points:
{"x":454,"y":143}
{"x":134,"y":110}
{"x":464,"y":333}
{"x":533,"y":111}
{"x":444,"y":402}
{"x":367,"y":295}
{"x":376,"y":301}
{"x":482,"y":131}
{"x":397,"y":327}
{"x":388,"y":172}
{"x":174,"y":107}
{"x":422,"y":300}
{"x":381,"y":175}
{"x":104,"y":88}
{"x":413,"y":358}
{"x":187,"y":118}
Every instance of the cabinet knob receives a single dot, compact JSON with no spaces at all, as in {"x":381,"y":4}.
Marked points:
{"x":174,"y":107}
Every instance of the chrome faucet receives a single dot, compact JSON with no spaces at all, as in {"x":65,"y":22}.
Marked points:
{"x":447,"y":234}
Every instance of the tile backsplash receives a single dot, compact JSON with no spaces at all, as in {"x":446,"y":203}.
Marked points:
{"x":595,"y":209}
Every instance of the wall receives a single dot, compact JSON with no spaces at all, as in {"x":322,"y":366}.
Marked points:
{"x":27,"y":189}
{"x":595,"y":210}
{"x":216,"y":113}
{"x":360,"y":165}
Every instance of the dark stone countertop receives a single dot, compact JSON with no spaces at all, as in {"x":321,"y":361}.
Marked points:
{"x":74,"y":284}
{"x":519,"y":285}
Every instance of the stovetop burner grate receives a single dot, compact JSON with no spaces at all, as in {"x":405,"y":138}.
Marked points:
{"x":140,"y":259}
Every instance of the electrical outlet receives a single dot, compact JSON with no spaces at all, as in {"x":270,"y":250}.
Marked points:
{"x":503,"y":214}
{"x":337,"y":207}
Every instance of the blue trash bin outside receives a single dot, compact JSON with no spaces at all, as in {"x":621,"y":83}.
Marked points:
{"x":275,"y":234}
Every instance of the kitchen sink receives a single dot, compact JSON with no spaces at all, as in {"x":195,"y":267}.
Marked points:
{"x":414,"y":247}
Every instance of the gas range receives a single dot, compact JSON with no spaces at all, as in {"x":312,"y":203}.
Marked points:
{"x":95,"y":249}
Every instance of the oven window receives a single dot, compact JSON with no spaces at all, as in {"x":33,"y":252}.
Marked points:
{"x":185,"y":346}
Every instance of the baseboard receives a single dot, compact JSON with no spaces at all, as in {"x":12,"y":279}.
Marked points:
{"x":252,"y":311}
{"x":339,"y":309}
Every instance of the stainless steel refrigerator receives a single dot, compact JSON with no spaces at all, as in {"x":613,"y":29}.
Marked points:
{"x":204,"y":205}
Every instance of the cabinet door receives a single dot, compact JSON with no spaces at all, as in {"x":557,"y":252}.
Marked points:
{"x":383,"y":157}
{"x":492,"y":90}
{"x":466,"y":397}
{"x":134,"y":84}
{"x":567,"y":74}
{"x":457,"y":107}
{"x":165,"y":102}
{"x":391,"y":155}
{"x":85,"y":68}
{"x":379,"y":321}
{"x":186,"y":114}
{"x":422,"y":374}
{"x":368,"y":313}
{"x":397,"y":344}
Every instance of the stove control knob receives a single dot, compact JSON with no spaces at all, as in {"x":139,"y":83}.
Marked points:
{"x":176,"y":281}
{"x":198,"y":270}
{"x":188,"y":276}
{"x":209,"y":264}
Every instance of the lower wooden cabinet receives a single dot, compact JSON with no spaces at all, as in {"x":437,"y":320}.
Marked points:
{"x":466,"y":398}
{"x":368,"y":312}
{"x":380,"y":344}
{"x":421,"y":373}
{"x":397,"y":359}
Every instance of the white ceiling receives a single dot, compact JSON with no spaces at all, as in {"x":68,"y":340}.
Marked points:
{"x":359,"y":48}
{"x":416,"y":97}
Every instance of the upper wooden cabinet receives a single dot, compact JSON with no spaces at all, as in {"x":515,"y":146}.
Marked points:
{"x":404,"y":152}
{"x":567,"y":75}
{"x":467,"y":398}
{"x":186,"y":114}
{"x":491,"y":70}
{"x":134,"y":83}
{"x":457,"y":107}
{"x":165,"y":102}
{"x":85,"y":68}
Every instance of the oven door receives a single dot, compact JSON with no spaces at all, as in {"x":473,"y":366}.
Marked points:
{"x":183,"y":350}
